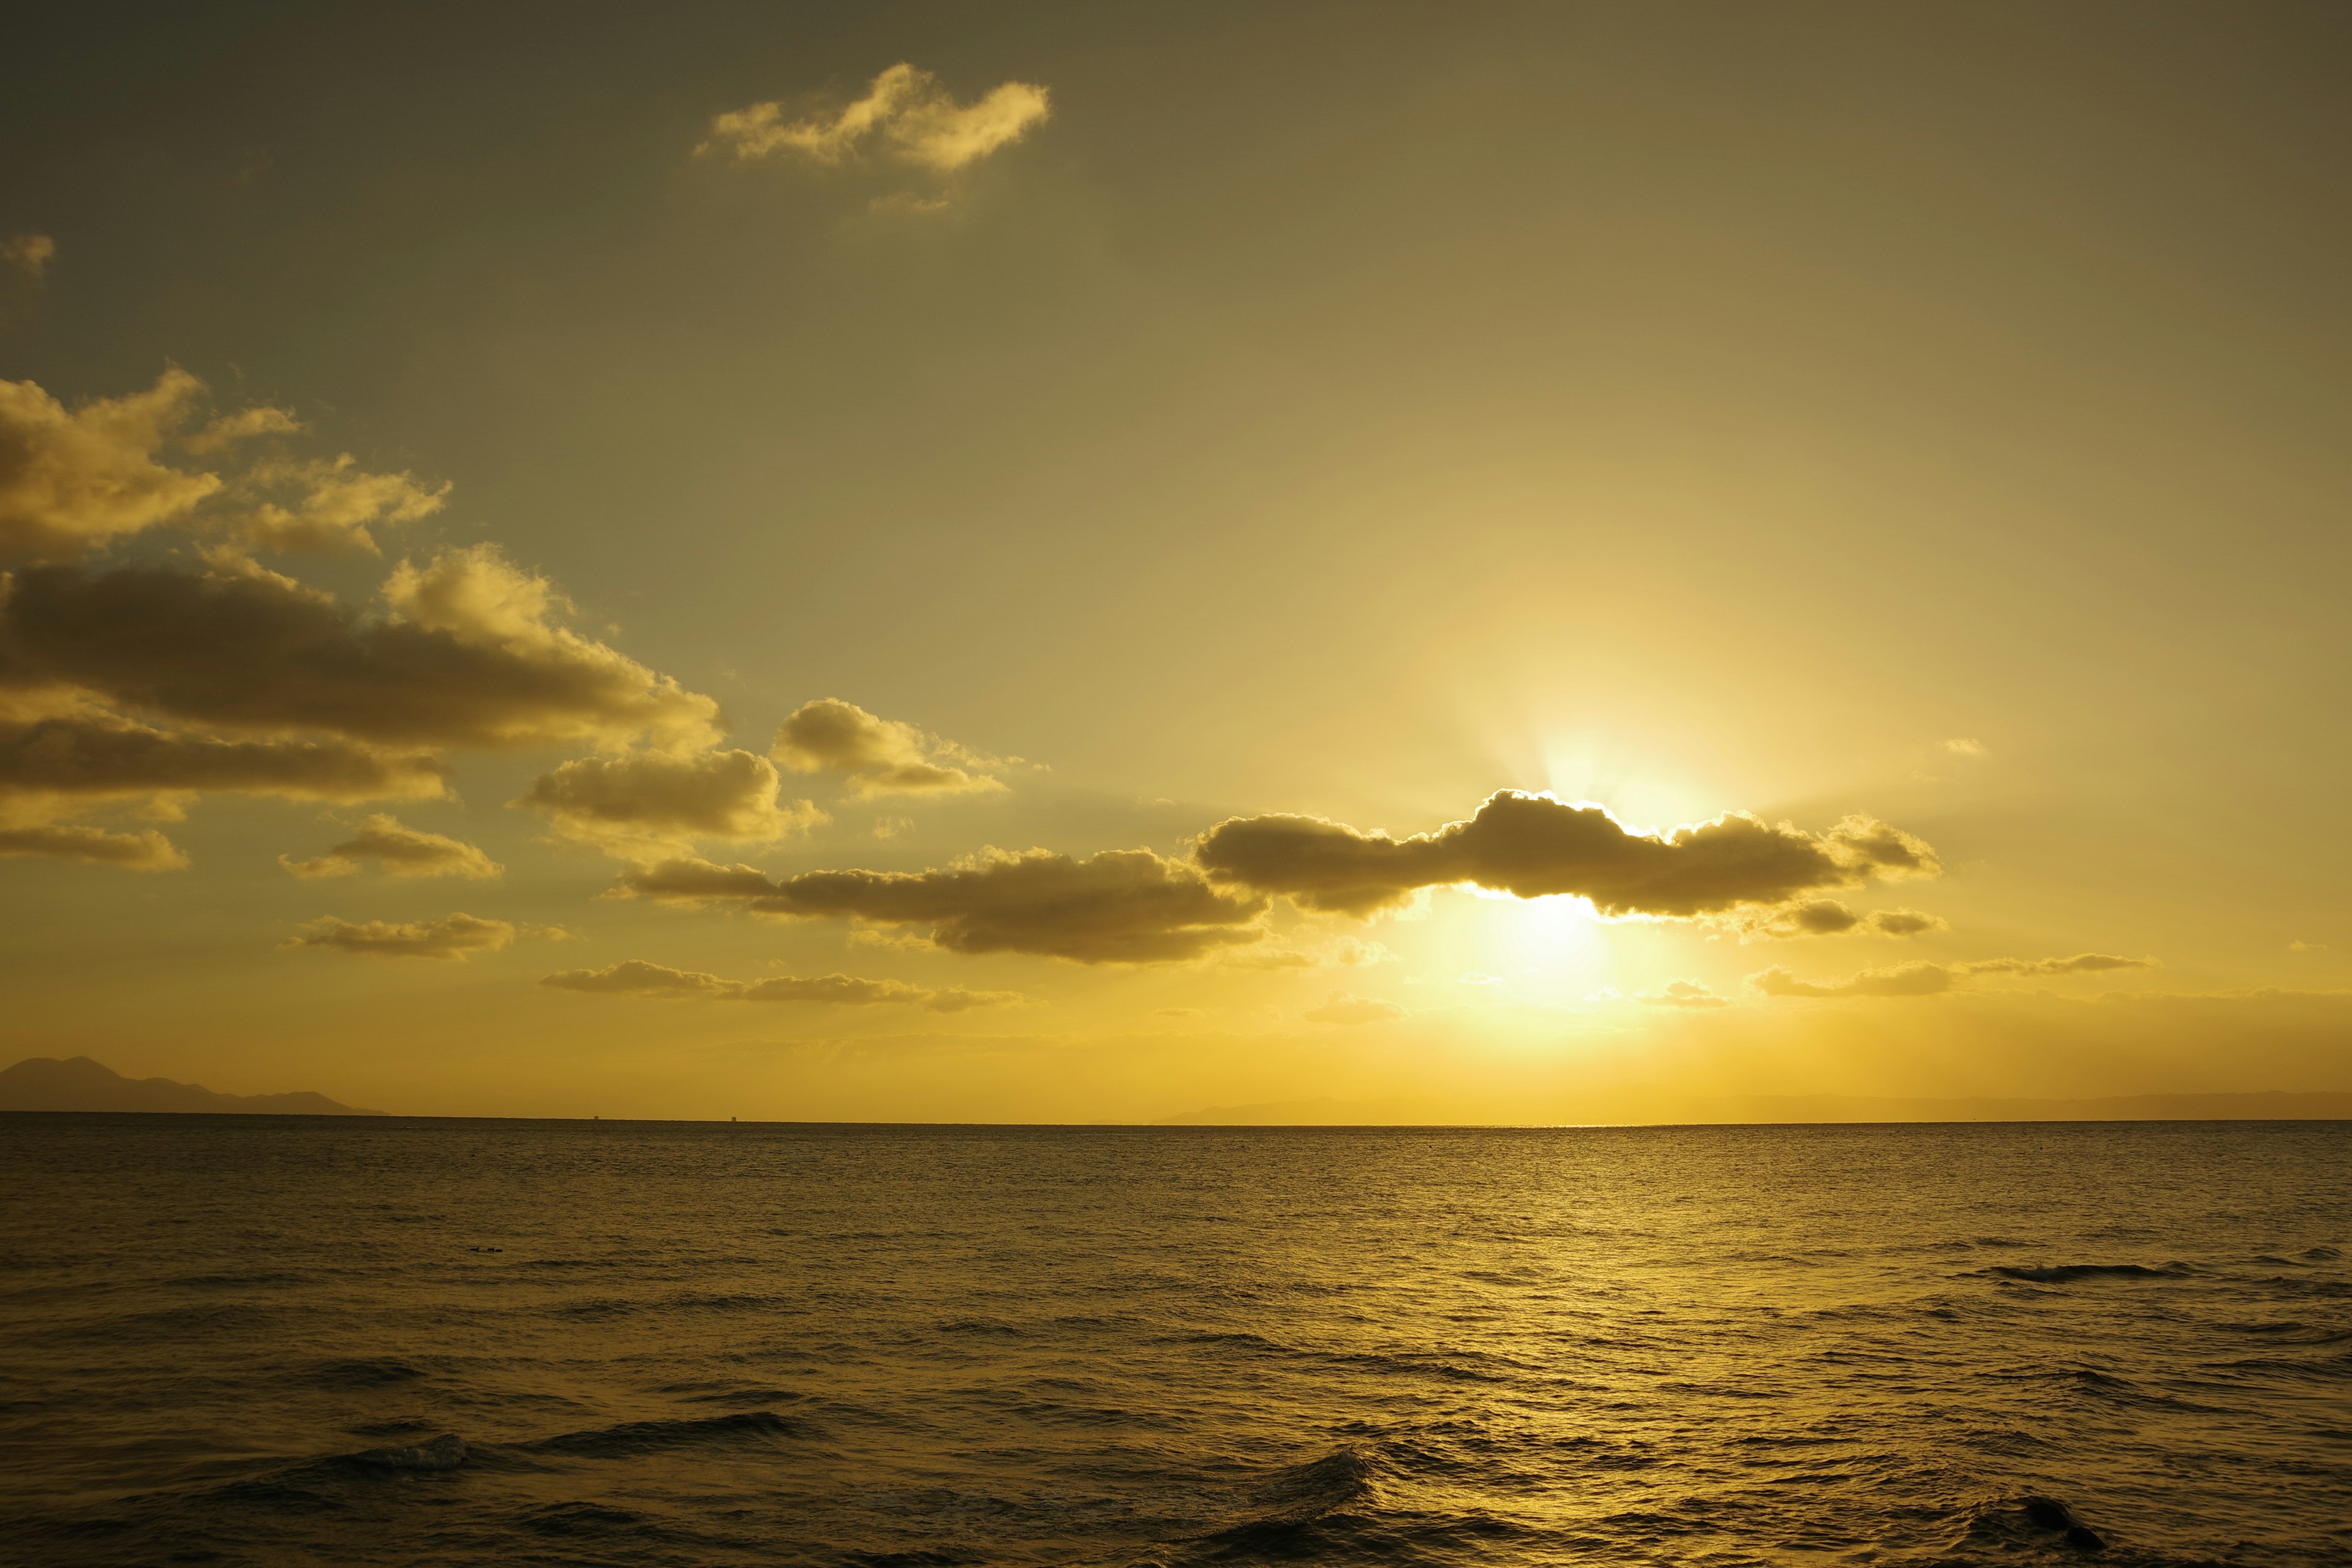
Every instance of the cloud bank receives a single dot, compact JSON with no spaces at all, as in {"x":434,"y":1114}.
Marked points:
{"x":1534,"y":846}
{"x":636,"y":977}
{"x":1121,"y":906}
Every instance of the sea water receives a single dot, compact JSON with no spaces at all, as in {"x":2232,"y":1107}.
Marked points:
{"x":356,"y":1341}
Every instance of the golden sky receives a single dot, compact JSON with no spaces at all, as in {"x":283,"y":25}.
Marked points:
{"x":1480,"y":562}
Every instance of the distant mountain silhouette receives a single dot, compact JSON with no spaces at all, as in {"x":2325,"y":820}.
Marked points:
{"x":77,"y":1083}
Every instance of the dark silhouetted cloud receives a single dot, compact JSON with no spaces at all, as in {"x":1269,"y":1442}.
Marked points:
{"x":87,"y":753}
{"x":470,"y":655}
{"x":453,"y":936}
{"x":397,"y":851}
{"x":1828,"y":917}
{"x":875,"y":755}
{"x":640,"y":801}
{"x":1534,"y":846}
{"x":147,"y":851}
{"x":1122,"y":906}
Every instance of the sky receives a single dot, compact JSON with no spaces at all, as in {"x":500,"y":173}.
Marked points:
{"x":1477,"y":562}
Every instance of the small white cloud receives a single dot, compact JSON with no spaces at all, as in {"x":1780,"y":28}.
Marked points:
{"x":905,"y":111}
{"x":1961,"y":746}
{"x":1473,"y":977}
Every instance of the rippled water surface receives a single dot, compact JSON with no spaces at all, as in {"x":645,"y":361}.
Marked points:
{"x":262,"y":1339}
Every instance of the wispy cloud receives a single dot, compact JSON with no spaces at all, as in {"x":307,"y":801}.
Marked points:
{"x":905,"y":112}
{"x":1935,"y":979}
{"x":636,"y":977}
{"x":29,"y":254}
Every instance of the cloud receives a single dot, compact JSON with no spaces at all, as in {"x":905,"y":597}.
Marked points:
{"x":2301,"y":946}
{"x":1121,"y":906}
{"x":1344,"y":1008}
{"x":148,"y":851}
{"x":1476,"y":977}
{"x":645,"y":801}
{"x":1681,"y":994}
{"x":85,"y":753}
{"x":685,"y":880}
{"x":70,"y":482}
{"x":453,"y":936}
{"x":29,"y":254}
{"x":1338,"y":952}
{"x":398,"y":851}
{"x":338,"y":502}
{"x":905,"y":108}
{"x":635,"y":977}
{"x":1963,"y":747}
{"x":2081,"y":963}
{"x":469,"y":653}
{"x":242,"y":425}
{"x":876,"y":755}
{"x":1534,"y":846}
{"x":1935,"y":979}
{"x":1828,"y":917}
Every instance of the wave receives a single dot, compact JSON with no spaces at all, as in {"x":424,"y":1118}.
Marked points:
{"x":633,"y":1437}
{"x":2067,"y":1273}
{"x":446,"y":1452}
{"x":361,"y":1373}
{"x":1303,"y":1508}
{"x":2031,"y":1522}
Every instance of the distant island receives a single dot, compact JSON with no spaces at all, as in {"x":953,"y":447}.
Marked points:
{"x":77,"y":1083}
{"x":2274,"y":1105}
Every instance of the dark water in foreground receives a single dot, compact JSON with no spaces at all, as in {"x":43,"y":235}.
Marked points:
{"x":251,"y":1340}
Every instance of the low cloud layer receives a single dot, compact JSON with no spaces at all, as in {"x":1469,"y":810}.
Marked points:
{"x":1935,"y":979}
{"x":1533,"y":846}
{"x":453,"y":936}
{"x":1122,"y":906}
{"x":875,"y":755}
{"x":643,"y":802}
{"x":636,"y":977}
{"x":397,"y":851}
{"x":905,"y":112}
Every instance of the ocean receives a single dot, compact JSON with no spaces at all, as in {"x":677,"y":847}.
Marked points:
{"x":263,"y":1339}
